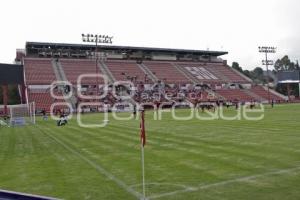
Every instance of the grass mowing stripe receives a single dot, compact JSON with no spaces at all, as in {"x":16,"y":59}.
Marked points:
{"x":94,"y":165}
{"x":189,"y":150}
{"x":152,"y":153}
{"x":170,"y":160}
{"x":212,"y":142}
{"x":241,"y":179}
{"x":174,"y":160}
{"x":203,"y":155}
{"x":250,"y":152}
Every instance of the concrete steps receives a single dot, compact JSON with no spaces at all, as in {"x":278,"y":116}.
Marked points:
{"x":255,"y":96}
{"x":147,"y":71}
{"x":104,"y":70}
{"x":189,"y":76}
{"x":61,"y":76}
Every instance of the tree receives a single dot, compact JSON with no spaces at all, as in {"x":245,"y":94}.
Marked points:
{"x":285,"y":64}
{"x":297,"y":65}
{"x":258,"y":74}
{"x":237,"y":67}
{"x":247,"y":73}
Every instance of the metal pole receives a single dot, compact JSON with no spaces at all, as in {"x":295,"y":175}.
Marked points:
{"x":96,"y":54}
{"x":33,"y":107}
{"x":30,"y":112}
{"x":97,"y":39}
{"x":268,"y":78}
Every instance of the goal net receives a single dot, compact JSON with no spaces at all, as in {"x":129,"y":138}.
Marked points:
{"x":20,"y":115}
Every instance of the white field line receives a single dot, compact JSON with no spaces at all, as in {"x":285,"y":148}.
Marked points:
{"x":192,"y":189}
{"x":162,"y":184}
{"x":177,"y":147}
{"x":98,"y":168}
{"x":195,"y":144}
{"x":156,"y":143}
{"x":170,"y":144}
{"x":241,"y":179}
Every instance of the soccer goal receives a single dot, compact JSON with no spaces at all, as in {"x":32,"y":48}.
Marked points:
{"x":20,"y":115}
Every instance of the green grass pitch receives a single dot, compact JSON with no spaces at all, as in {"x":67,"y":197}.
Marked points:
{"x":194,"y":160}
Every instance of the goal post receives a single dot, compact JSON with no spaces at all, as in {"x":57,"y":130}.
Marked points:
{"x":21,"y":114}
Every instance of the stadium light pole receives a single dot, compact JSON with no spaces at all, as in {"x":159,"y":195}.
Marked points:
{"x":266,"y":50}
{"x":96,"y":39}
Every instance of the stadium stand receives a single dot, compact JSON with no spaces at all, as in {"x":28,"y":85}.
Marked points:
{"x":38,"y":71}
{"x":173,"y":75}
{"x":260,"y":91}
{"x":213,"y":72}
{"x":166,"y":72}
{"x":126,"y":70}
{"x":235,"y":94}
{"x":73,"y":68}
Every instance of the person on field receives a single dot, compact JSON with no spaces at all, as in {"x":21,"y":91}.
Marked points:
{"x":134,"y":111}
{"x":45,"y":117}
{"x":62,"y":120}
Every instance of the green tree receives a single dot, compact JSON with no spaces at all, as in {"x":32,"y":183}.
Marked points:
{"x":258,"y":75}
{"x":236,"y":66}
{"x":285,"y":64}
{"x":247,"y":73}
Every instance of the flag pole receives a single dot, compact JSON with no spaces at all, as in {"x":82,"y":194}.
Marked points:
{"x":143,"y":142}
{"x":143,"y":171}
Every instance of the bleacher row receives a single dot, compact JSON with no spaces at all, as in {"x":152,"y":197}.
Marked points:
{"x":40,"y":71}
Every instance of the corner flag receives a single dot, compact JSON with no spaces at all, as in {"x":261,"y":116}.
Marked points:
{"x":142,"y":126}
{"x":143,"y":142}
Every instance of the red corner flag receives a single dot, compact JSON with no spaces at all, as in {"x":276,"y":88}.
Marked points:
{"x":142,"y":126}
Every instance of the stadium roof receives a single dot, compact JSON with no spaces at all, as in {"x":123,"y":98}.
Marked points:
{"x":33,"y":45}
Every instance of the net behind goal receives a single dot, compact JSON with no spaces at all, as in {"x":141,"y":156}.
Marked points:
{"x":20,"y":115}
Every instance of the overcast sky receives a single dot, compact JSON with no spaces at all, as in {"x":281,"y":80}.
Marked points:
{"x":236,"y":26}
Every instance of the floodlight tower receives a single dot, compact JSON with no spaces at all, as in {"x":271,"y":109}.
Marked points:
{"x":96,"y":39}
{"x":266,"y":50}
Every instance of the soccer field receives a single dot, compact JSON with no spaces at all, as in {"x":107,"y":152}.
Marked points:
{"x":194,"y":160}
